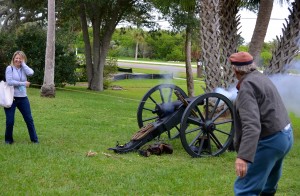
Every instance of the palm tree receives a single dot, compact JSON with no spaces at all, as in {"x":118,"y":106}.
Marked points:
{"x":263,"y":18}
{"x":219,"y":26}
{"x":48,"y":88}
{"x":229,"y":26}
{"x":181,"y":15}
{"x":210,"y":43}
{"x":261,"y":27}
{"x":219,"y":39}
{"x":139,"y":37}
{"x":288,"y":44}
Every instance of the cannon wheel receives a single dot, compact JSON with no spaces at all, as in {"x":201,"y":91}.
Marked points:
{"x":206,"y":127}
{"x":162,"y":93}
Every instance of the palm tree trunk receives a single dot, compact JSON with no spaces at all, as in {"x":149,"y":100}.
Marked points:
{"x":48,"y":88}
{"x":260,"y":30}
{"x":136,"y":50}
{"x":229,"y":37}
{"x":210,"y":43}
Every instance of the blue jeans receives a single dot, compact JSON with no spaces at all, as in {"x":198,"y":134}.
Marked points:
{"x":264,"y":173}
{"x":22,"y":103}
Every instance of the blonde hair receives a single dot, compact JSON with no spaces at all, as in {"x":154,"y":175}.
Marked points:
{"x":21,"y":53}
{"x":245,"y":68}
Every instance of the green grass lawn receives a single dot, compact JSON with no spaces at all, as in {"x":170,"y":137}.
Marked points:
{"x":77,"y":121}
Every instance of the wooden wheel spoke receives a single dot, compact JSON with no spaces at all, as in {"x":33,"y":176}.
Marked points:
{"x":170,"y":95}
{"x":215,"y":108}
{"x":161,"y":95}
{"x":195,"y":121}
{"x":151,"y":118}
{"x":220,"y":131}
{"x":201,"y":116}
{"x":152,"y":100}
{"x":148,"y":109}
{"x":220,"y":113}
{"x":216,"y":140}
{"x":206,"y":108}
{"x":224,"y":122}
{"x":192,"y":130}
{"x":194,"y":141}
{"x":201,"y":146}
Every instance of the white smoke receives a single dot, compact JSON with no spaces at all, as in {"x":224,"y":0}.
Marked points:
{"x":168,"y":70}
{"x":230,"y":93}
{"x":288,"y":86}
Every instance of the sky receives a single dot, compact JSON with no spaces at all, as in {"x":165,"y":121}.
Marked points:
{"x":248,"y":20}
{"x":278,"y":16}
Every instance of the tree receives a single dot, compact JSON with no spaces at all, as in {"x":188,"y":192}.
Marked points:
{"x":263,"y":18}
{"x":229,"y":26}
{"x":32,"y":39}
{"x":261,"y":27}
{"x":210,"y":43}
{"x":288,"y":44}
{"x":17,"y":12}
{"x":161,"y":44}
{"x":48,"y":88}
{"x":188,"y":58}
{"x":103,"y":16}
{"x":140,"y":20}
{"x":166,"y":45}
{"x":7,"y":41}
{"x":182,"y":15}
{"x":219,"y":26}
{"x":138,"y":36}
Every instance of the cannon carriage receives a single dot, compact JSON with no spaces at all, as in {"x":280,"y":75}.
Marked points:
{"x":204,"y":124}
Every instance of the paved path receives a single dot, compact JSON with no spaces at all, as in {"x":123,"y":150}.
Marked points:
{"x":170,"y":67}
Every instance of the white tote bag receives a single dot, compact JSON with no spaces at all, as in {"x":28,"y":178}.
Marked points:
{"x":6,"y":95}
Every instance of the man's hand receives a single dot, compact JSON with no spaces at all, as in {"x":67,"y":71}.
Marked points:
{"x":240,"y":167}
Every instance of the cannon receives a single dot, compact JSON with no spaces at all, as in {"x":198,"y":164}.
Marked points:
{"x":204,"y":124}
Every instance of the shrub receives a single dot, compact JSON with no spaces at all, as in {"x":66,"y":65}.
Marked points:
{"x":32,"y":40}
{"x":65,"y":66}
{"x":265,"y":58}
{"x":7,"y":43}
{"x":175,"y":55}
{"x":110,"y":68}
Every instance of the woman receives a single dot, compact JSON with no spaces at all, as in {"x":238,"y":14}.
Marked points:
{"x":16,"y":75}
